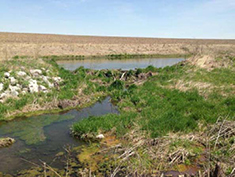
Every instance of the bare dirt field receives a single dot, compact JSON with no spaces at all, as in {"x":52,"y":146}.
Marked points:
{"x":12,"y":44}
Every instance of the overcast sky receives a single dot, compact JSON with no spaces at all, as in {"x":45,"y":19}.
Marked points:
{"x":140,"y":18}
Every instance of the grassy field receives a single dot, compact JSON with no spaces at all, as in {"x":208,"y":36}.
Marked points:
{"x":19,"y":44}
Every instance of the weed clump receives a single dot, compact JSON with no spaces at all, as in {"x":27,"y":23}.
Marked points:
{"x":117,"y":85}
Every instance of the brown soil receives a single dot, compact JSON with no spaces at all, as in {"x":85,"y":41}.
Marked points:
{"x":12,"y":44}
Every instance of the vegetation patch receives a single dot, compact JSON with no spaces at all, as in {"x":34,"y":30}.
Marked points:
{"x":160,"y":111}
{"x":178,"y":118}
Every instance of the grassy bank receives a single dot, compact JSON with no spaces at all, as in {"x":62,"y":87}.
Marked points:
{"x":163,"y":109}
{"x":71,"y":87}
{"x":179,"y":102}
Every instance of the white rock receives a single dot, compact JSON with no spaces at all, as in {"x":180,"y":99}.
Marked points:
{"x":13,"y":80}
{"x":35,"y":72}
{"x":14,"y":88}
{"x":21,"y":73}
{"x":45,"y":79}
{"x":23,"y":92}
{"x":42,"y":88}
{"x":33,"y":86}
{"x":33,"y":81}
{"x":6,"y":74}
{"x":14,"y":93}
{"x":6,"y":94}
{"x":28,"y":78}
{"x":1,"y":86}
{"x":100,"y":136}
{"x":57,"y":79}
{"x":19,"y":86}
{"x":3,"y":95}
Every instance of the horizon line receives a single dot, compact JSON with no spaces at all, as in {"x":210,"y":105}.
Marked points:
{"x":113,"y":36}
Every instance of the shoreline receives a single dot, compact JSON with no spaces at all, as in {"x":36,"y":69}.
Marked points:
{"x":108,"y":57}
{"x":54,"y":111}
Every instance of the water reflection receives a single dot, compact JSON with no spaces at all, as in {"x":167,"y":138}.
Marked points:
{"x":127,"y":64}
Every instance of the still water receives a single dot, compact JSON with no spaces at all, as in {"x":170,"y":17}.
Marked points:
{"x":42,"y":137}
{"x":127,"y":64}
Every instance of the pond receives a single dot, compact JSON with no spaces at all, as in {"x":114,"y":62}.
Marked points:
{"x":126,"y":64}
{"x":42,"y":137}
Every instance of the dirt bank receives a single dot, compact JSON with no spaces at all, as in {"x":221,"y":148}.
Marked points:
{"x":12,"y":44}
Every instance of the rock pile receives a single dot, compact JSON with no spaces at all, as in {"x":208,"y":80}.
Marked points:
{"x":17,"y":83}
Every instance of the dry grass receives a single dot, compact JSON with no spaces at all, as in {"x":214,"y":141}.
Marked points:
{"x":12,"y":44}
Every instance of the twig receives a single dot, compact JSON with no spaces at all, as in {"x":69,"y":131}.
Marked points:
{"x":232,"y":171}
{"x":50,"y":168}
{"x":31,"y":162}
{"x":115,"y":171}
{"x":219,"y":134}
{"x":45,"y":170}
{"x":122,"y":75}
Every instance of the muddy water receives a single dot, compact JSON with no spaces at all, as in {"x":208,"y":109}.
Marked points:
{"x":119,"y":64}
{"x":42,"y":137}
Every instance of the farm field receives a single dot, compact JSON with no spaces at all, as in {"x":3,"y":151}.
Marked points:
{"x":35,"y":45}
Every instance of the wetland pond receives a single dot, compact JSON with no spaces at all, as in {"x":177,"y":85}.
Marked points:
{"x":42,"y":137}
{"x":126,"y":64}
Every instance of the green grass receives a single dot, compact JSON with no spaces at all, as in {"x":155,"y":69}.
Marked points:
{"x":161,"y":110}
{"x":67,"y":90}
{"x":105,"y":123}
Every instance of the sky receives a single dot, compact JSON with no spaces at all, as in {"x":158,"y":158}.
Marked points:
{"x":134,"y":18}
